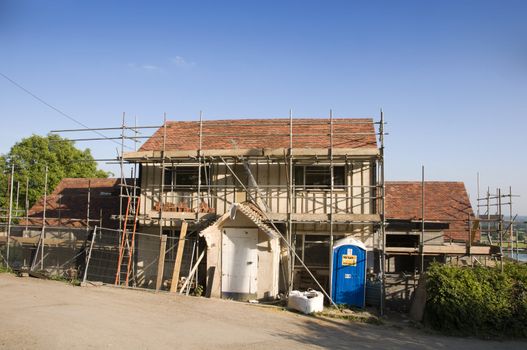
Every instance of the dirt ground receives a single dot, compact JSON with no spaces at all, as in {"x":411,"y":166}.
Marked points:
{"x":38,"y":314}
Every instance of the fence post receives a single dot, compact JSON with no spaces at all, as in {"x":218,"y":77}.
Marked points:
{"x":89,"y":255}
{"x":161,"y":262}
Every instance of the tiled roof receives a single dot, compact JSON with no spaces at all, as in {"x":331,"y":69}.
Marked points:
{"x":444,"y":201}
{"x":67,"y":205}
{"x":263,"y":133}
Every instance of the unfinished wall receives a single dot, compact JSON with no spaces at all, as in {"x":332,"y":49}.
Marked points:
{"x":272,"y":179}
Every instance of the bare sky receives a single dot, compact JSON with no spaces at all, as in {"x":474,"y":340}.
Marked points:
{"x":450,"y":75}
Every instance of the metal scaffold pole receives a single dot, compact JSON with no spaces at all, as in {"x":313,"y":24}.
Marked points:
{"x":511,"y":226}
{"x":41,"y":242}
{"x":383,"y":216}
{"x":500,"y":228}
{"x":487,"y":226}
{"x":27,"y":203}
{"x":290,"y":202}
{"x":422,"y":242}
{"x":162,"y":184}
{"x":10,"y":213}
{"x":88,"y":258}
{"x":17,"y":196}
{"x":198,"y":205}
{"x":121,"y":163}
{"x":44,"y":219}
{"x":88,"y":202}
{"x":331,"y":191}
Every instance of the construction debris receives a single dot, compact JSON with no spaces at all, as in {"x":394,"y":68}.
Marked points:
{"x":306,"y":302}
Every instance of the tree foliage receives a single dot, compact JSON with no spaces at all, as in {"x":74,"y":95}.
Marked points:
{"x":30,"y":157}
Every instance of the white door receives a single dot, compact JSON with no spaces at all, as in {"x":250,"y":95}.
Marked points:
{"x":239,"y":263}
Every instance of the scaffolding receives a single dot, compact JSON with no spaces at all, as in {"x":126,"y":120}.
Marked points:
{"x":497,"y":223}
{"x":362,"y":205}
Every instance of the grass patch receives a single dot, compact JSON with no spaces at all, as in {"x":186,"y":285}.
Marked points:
{"x":60,"y":278}
{"x":521,"y":245}
{"x":349,"y":315}
{"x":5,"y":269}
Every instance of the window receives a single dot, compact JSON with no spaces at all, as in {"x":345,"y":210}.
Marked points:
{"x":185,"y":177}
{"x":319,"y":176}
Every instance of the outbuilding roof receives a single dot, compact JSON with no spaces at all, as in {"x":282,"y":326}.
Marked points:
{"x":67,"y":205}
{"x":444,"y":202}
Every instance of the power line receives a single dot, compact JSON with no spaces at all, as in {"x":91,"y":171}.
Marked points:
{"x":55,"y":108}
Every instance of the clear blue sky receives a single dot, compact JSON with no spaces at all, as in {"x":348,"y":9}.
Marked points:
{"x":450,"y":75}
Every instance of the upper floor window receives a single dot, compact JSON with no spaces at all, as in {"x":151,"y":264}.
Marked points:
{"x":319,"y":176}
{"x":185,"y":177}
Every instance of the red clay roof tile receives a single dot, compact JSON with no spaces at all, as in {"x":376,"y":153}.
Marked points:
{"x":67,"y":205}
{"x":264,"y":133}
{"x":444,"y":201}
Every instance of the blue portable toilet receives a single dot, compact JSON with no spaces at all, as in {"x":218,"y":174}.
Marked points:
{"x":348,"y":275}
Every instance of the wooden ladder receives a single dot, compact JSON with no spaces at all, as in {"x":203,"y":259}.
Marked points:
{"x":126,"y":244}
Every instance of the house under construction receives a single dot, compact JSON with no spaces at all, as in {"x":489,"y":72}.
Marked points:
{"x":297,"y":186}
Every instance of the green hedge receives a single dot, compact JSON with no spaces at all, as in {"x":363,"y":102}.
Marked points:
{"x":477,"y":301}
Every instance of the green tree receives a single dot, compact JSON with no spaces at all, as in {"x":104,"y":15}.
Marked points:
{"x":30,"y":157}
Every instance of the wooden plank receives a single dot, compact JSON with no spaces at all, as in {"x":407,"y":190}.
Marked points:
{"x":446,"y":249}
{"x":480,"y":250}
{"x":348,"y":218}
{"x":441,"y":249}
{"x":49,"y":241}
{"x":179,"y":257}
{"x":161,"y":262}
{"x":177,"y":215}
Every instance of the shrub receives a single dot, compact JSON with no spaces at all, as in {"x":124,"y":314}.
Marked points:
{"x":478,"y":301}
